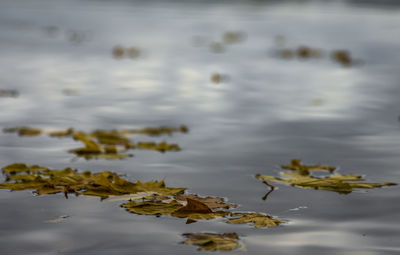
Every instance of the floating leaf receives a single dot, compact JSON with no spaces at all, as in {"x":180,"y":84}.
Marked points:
{"x":103,"y":184}
{"x":152,"y":207}
{"x":197,"y":210}
{"x":259,"y":220}
{"x":343,"y":184}
{"x":23,"y":131}
{"x":213,"y":242}
{"x":211,"y":202}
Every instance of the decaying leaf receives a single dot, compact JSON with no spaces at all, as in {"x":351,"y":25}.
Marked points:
{"x":45,"y":181}
{"x":259,"y":220}
{"x":301,"y":177}
{"x":23,"y":131}
{"x":213,"y":242}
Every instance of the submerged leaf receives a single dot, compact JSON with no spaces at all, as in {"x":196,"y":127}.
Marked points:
{"x":213,"y":242}
{"x":259,"y":220}
{"x":343,"y":184}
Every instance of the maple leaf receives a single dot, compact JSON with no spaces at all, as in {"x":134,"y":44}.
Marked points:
{"x":343,"y":184}
{"x":213,"y":242}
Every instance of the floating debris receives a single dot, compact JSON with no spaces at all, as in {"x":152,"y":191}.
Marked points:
{"x":8,"y":93}
{"x":304,"y":52}
{"x":342,"y":56}
{"x":213,"y":242}
{"x":130,"y":52}
{"x":301,"y":177}
{"x":217,"y":47}
{"x":218,"y":78}
{"x":118,"y":51}
{"x":231,"y":37}
{"x":70,"y":92}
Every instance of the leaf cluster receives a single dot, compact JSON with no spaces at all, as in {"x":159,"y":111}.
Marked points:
{"x":103,"y":184}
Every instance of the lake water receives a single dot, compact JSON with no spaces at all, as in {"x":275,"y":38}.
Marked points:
{"x":58,"y":56}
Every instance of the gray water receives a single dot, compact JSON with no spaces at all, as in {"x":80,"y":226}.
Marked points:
{"x":269,"y":111}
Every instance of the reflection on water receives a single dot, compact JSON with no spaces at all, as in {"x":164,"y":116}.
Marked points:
{"x":210,"y":67}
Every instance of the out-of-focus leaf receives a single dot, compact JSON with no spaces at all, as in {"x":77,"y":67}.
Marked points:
{"x":23,"y":131}
{"x":259,"y":220}
{"x":231,"y":37}
{"x":161,"y":147}
{"x":62,"y":133}
{"x":108,"y":144}
{"x":8,"y":93}
{"x":343,"y":184}
{"x":213,"y":242}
